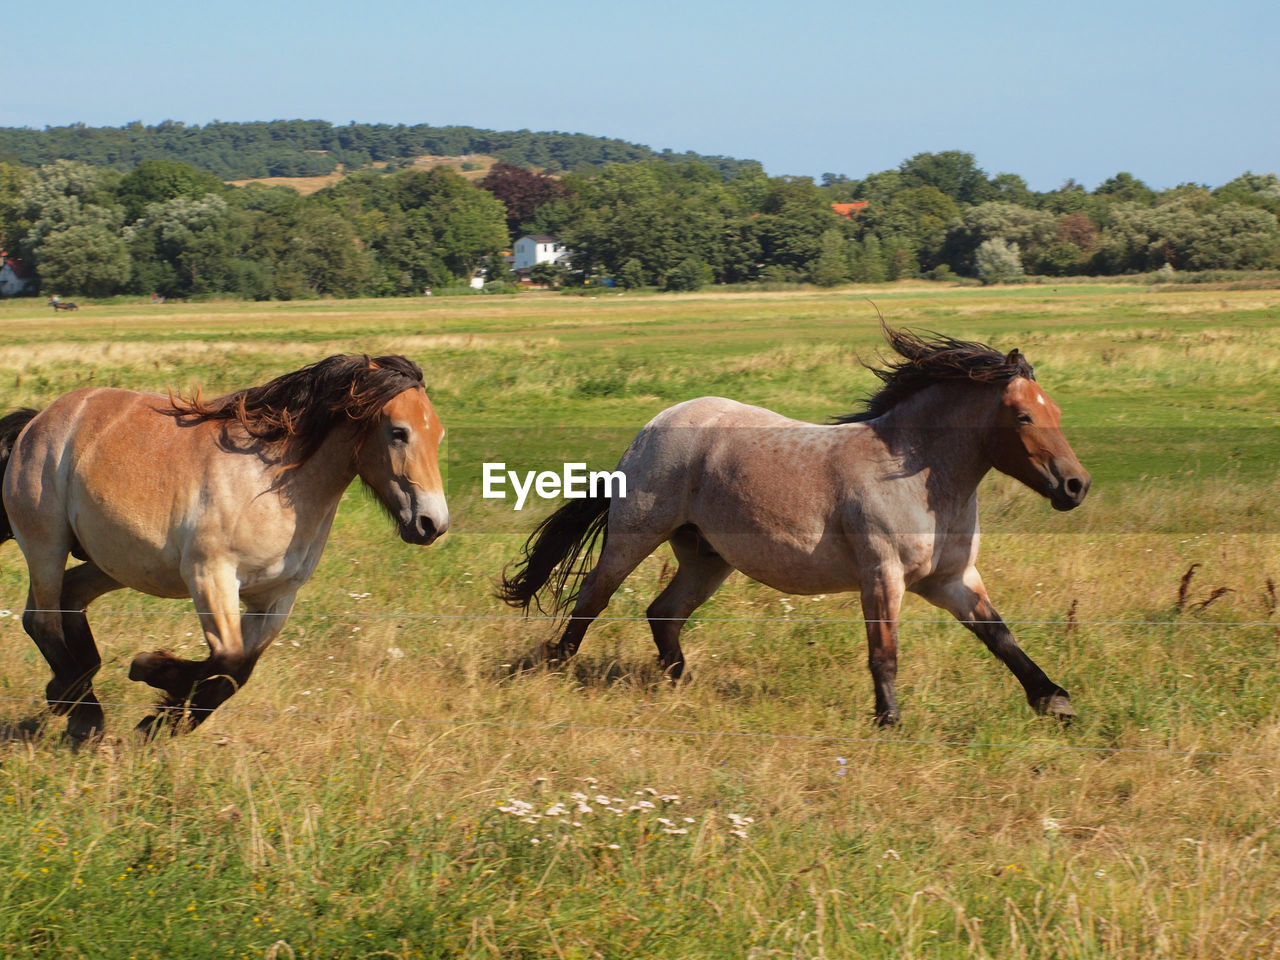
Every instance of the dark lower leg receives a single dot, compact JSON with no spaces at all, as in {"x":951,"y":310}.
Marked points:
{"x":666,"y":635}
{"x":75,"y":696}
{"x":181,"y":713}
{"x":571,"y":639}
{"x":700,"y":572}
{"x":1042,"y":693}
{"x":880,"y":609}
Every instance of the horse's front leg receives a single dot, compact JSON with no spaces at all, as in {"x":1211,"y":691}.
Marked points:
{"x":881,"y":602}
{"x":965,"y":598}
{"x":215,"y":591}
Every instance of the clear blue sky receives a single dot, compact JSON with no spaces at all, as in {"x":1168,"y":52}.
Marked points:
{"x":1170,"y":91}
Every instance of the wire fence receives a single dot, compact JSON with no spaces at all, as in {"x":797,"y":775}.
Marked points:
{"x":884,"y":740}
{"x":640,"y":618}
{"x":887,"y":741}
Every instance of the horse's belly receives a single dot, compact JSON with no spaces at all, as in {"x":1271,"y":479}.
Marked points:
{"x":136,"y":564}
{"x":797,"y":568}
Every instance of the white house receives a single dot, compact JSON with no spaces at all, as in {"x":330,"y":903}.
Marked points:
{"x":14,"y":276}
{"x":538,"y":248}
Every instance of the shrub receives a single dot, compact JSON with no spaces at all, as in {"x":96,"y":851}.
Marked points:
{"x":998,"y":262}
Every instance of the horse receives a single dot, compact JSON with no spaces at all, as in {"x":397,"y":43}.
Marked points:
{"x":881,"y":501}
{"x":228,"y":501}
{"x":63,"y":305}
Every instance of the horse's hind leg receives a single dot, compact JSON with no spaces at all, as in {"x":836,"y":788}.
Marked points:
{"x":55,"y":620}
{"x":698,"y":576}
{"x":621,"y":555}
{"x":81,"y":586}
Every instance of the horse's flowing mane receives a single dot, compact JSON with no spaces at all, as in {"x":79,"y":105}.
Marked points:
{"x":297,"y":410}
{"x":931,"y":359}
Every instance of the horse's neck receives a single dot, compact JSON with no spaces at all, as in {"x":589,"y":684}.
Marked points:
{"x":329,"y":470}
{"x":942,"y":429}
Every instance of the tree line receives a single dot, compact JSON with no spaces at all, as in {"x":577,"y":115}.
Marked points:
{"x":166,"y":227}
{"x":308,"y":148}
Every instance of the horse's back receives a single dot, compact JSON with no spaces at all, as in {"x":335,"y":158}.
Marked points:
{"x":711,"y":412}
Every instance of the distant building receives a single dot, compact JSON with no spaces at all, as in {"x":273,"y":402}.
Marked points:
{"x":536,"y":248}
{"x":849,"y":210}
{"x":14,"y":276}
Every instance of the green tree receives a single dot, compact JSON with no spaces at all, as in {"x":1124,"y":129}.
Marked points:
{"x":180,"y":247}
{"x":155,"y":181}
{"x":867,"y":261}
{"x":1127,"y":188}
{"x":13,"y":221}
{"x":953,"y":172}
{"x":997,"y":261}
{"x":631,"y":274}
{"x":689,"y":274}
{"x":1252,"y":189}
{"x":497,"y":270}
{"x":64,"y":194}
{"x":1034,"y":231}
{"x":832,"y":266}
{"x":549,"y":274}
{"x":85,"y":258}
{"x":917,"y":219}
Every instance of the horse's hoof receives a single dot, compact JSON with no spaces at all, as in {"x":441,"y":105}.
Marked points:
{"x":143,"y":666}
{"x":888,"y":719}
{"x":166,"y":720}
{"x":1057,"y":706}
{"x":82,"y":730}
{"x":159,"y":669}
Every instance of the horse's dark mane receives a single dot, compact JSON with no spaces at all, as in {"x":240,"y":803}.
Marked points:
{"x":931,"y":359}
{"x":297,"y":410}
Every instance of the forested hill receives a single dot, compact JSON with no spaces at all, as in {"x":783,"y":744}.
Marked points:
{"x":303,"y":148}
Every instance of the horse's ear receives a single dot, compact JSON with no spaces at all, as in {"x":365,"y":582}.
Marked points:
{"x":1015,"y":356}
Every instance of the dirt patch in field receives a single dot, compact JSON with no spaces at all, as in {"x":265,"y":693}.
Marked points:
{"x":304,"y":185}
{"x":472,"y":166}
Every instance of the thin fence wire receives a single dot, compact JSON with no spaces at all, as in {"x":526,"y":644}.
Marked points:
{"x":639,"y":618}
{"x":691,"y":732}
{"x":883,"y":741}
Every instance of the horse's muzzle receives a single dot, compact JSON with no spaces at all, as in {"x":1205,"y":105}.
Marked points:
{"x":1070,"y":492}
{"x":423,"y":530}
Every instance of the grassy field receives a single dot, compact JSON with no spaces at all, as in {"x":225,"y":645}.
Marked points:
{"x":390,"y":785}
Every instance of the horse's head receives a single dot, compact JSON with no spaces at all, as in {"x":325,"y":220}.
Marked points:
{"x":1026,"y":442}
{"x":398,"y":461}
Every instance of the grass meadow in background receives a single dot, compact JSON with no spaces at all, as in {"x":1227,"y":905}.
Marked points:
{"x":390,"y":785}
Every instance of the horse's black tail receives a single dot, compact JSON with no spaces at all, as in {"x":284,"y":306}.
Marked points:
{"x":558,"y":550}
{"x":10,"y":426}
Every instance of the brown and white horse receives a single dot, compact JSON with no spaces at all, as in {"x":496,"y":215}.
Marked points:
{"x":228,"y":501}
{"x":881,"y":501}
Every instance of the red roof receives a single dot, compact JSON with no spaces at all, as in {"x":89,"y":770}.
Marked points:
{"x":19,"y":268}
{"x":849,"y":210}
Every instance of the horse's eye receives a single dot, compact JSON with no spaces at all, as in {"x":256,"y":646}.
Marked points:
{"x":1024,"y":418}
{"x":399,"y":435}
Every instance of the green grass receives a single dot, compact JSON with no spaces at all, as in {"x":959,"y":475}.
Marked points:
{"x":355,"y":799}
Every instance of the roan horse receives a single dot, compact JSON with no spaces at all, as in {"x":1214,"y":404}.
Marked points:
{"x":227,"y":501}
{"x":881,"y":501}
